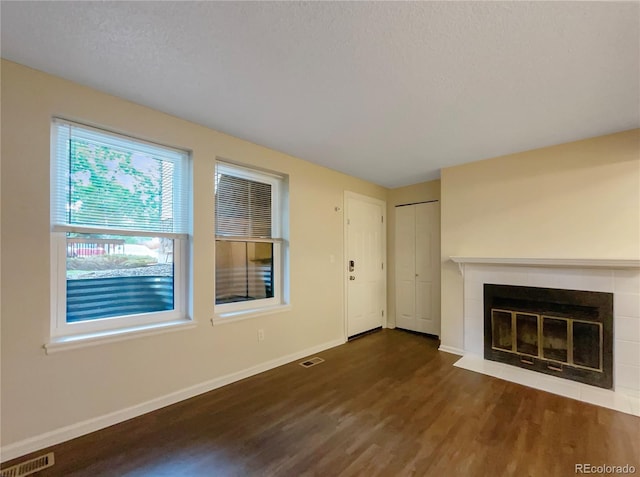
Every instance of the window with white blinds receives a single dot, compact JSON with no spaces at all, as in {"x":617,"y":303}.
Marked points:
{"x":119,"y":215}
{"x":112,"y":182}
{"x":243,"y":207}
{"x":249,"y":245}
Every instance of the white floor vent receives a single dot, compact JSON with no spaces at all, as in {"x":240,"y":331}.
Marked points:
{"x":306,"y":364}
{"x":29,"y":467}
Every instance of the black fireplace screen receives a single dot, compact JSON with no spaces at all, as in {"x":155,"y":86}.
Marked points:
{"x":565,"y":333}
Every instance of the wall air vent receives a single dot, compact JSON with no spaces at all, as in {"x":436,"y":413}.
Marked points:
{"x":29,"y":467}
{"x":307,"y":363}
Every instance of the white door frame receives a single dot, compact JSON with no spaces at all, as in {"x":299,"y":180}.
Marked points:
{"x":345,"y":250}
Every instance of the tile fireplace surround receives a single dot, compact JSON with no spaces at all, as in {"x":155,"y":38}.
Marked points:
{"x":620,"y":277}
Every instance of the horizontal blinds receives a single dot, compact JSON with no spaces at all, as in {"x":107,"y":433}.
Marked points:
{"x":243,"y":206}
{"x":111,"y":182}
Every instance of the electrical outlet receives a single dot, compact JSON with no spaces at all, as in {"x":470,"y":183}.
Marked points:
{"x":260,"y":334}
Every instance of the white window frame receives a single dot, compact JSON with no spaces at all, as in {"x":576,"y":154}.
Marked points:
{"x":60,"y":328}
{"x":278,"y":229}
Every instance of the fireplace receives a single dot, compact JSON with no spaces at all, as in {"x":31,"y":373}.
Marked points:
{"x":564,"y":333}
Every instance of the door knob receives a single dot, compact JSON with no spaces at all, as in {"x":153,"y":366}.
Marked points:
{"x":351,"y":277}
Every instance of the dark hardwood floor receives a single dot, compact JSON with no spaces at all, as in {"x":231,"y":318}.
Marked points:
{"x":386,"y":404}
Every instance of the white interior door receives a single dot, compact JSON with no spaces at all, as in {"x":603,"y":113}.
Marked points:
{"x":428,"y":268}
{"x":365,"y":274}
{"x":405,"y":267}
{"x":418,"y":267}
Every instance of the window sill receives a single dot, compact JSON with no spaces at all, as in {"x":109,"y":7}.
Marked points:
{"x":233,"y":316}
{"x":65,"y":343}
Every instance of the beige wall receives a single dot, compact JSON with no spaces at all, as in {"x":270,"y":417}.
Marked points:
{"x":42,"y":393}
{"x":422,"y":192}
{"x":576,"y":200}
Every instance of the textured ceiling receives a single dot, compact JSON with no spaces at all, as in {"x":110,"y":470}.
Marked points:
{"x":387,"y":91}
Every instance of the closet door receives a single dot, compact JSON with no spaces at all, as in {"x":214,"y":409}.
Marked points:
{"x":427,"y":268}
{"x":418,"y":267}
{"x":405,"y":267}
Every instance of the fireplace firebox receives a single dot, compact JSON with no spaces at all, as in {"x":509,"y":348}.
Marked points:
{"x":564,"y":333}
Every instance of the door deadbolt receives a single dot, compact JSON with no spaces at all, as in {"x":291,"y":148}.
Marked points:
{"x":352,"y":265}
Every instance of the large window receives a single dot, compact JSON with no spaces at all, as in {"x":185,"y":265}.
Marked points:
{"x":249,"y":238}
{"x":119,"y":231}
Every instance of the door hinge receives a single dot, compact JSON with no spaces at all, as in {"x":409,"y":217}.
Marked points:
{"x":383,"y":313}
{"x":348,"y":221}
{"x":382,"y":265}
{"x":382,"y":219}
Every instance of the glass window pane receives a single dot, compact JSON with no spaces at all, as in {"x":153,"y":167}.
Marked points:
{"x":244,"y":271}
{"x":502,"y":332}
{"x":243,"y":207}
{"x":527,"y":334}
{"x":587,"y":344}
{"x":111,"y":275}
{"x":555,"y":339}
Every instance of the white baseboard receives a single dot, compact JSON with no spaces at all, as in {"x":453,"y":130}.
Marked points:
{"x":451,"y":349}
{"x":66,"y":433}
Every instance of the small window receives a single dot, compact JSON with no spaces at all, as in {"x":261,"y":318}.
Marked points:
{"x":119,"y":231}
{"x":249,"y":238}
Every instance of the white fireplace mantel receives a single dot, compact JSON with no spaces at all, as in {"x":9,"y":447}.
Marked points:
{"x":609,"y":263}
